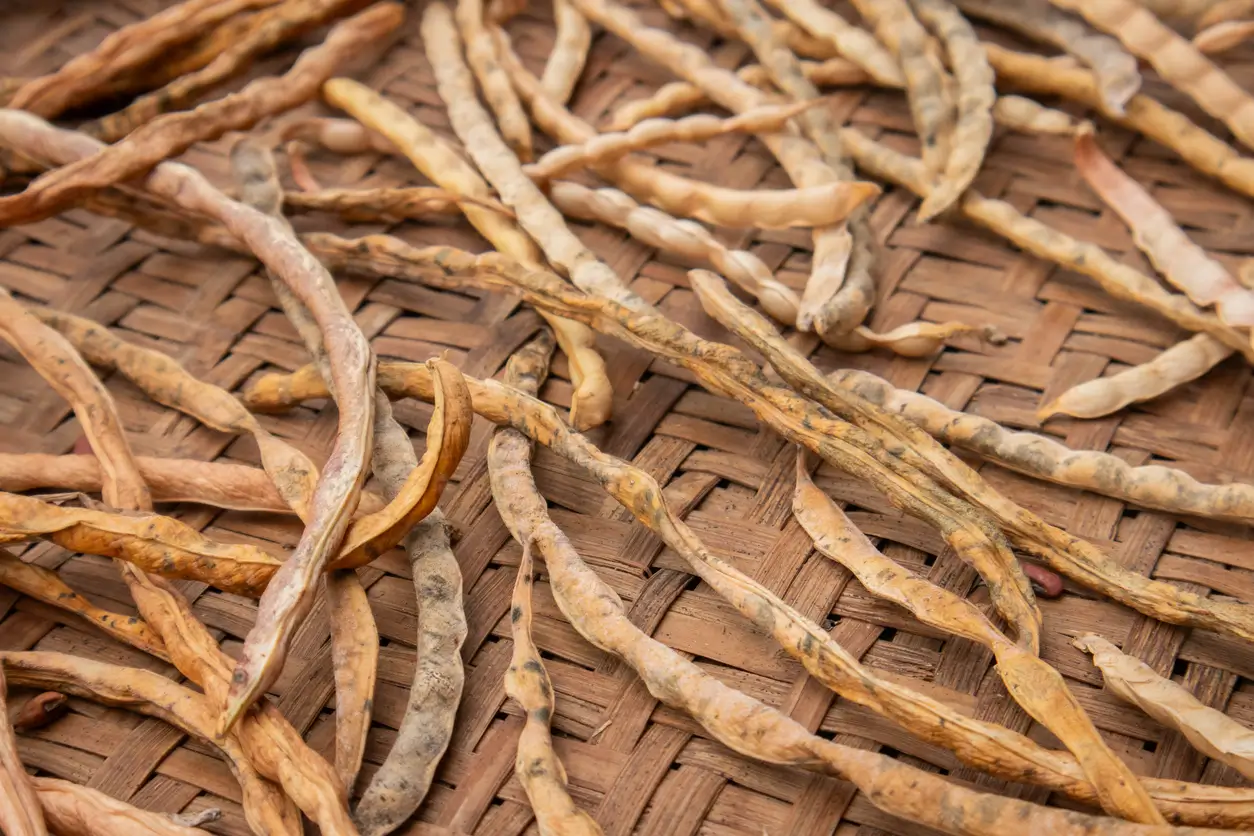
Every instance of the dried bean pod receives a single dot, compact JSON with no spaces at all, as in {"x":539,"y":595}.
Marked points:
{"x":1149,"y":486}
{"x":678,"y":97}
{"x":1172,"y":129}
{"x":127,"y":49}
{"x":387,"y":204}
{"x":1223,"y":36}
{"x":20,"y":813}
{"x":1039,"y":689}
{"x":1027,"y":116}
{"x":235,"y":487}
{"x":608,"y":147}
{"x":973,"y":125}
{"x":272,"y":27}
{"x":74,"y":809}
{"x":497,"y":89}
{"x":1183,"y":362}
{"x":435,"y":158}
{"x":1221,"y":11}
{"x":168,"y":383}
{"x":1211,"y":732}
{"x":897,"y":28}
{"x":45,"y":585}
{"x":1176,"y":60}
{"x":914,"y":339}
{"x":686,"y":238}
{"x":267,"y":811}
{"x":1116,"y":72}
{"x":835,"y":301}
{"x":537,"y":766}
{"x":850,"y":42}
{"x":570,"y":51}
{"x":1182,"y":263}
{"x":1117,"y":279}
{"x":169,"y":135}
{"x":354,"y":635}
{"x":738,"y":721}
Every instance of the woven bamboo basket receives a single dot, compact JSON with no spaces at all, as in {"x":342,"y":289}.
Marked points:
{"x":639,"y":767}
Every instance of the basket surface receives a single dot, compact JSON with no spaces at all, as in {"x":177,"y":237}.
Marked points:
{"x":636,"y":766}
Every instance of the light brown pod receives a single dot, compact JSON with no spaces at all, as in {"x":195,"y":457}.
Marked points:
{"x":914,"y":339}
{"x":1211,"y":732}
{"x":987,"y":746}
{"x":20,"y":813}
{"x":126,"y":50}
{"x":74,"y":810}
{"x":592,"y":401}
{"x":391,"y":205}
{"x":1182,"y":263}
{"x":235,"y":487}
{"x":570,"y":51}
{"x":1185,"y":361}
{"x":265,"y":808}
{"x":710,"y":14}
{"x":169,"y":135}
{"x":973,"y":122}
{"x":1177,"y":61}
{"x":150,"y":541}
{"x":269,"y":29}
{"x":607,"y":147}
{"x":1037,"y":687}
{"x":1116,"y":72}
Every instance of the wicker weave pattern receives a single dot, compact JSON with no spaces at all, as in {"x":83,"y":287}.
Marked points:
{"x":636,"y":766}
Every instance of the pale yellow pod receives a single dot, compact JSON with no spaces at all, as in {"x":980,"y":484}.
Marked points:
{"x":1183,"y":362}
{"x":679,"y":97}
{"x":1223,"y":36}
{"x":1028,"y":116}
{"x":1223,"y":11}
{"x":73,"y":809}
{"x":914,"y":339}
{"x":849,"y":41}
{"x":1211,"y":732}
{"x":838,"y":297}
{"x":973,"y":121}
{"x":497,"y":90}
{"x":1171,"y":129}
{"x":607,"y":147}
{"x":1042,"y":457}
{"x":683,"y":237}
{"x":1115,"y":69}
{"x":570,"y":51}
{"x":897,"y":28}
{"x":709,"y":14}
{"x":1177,"y":61}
